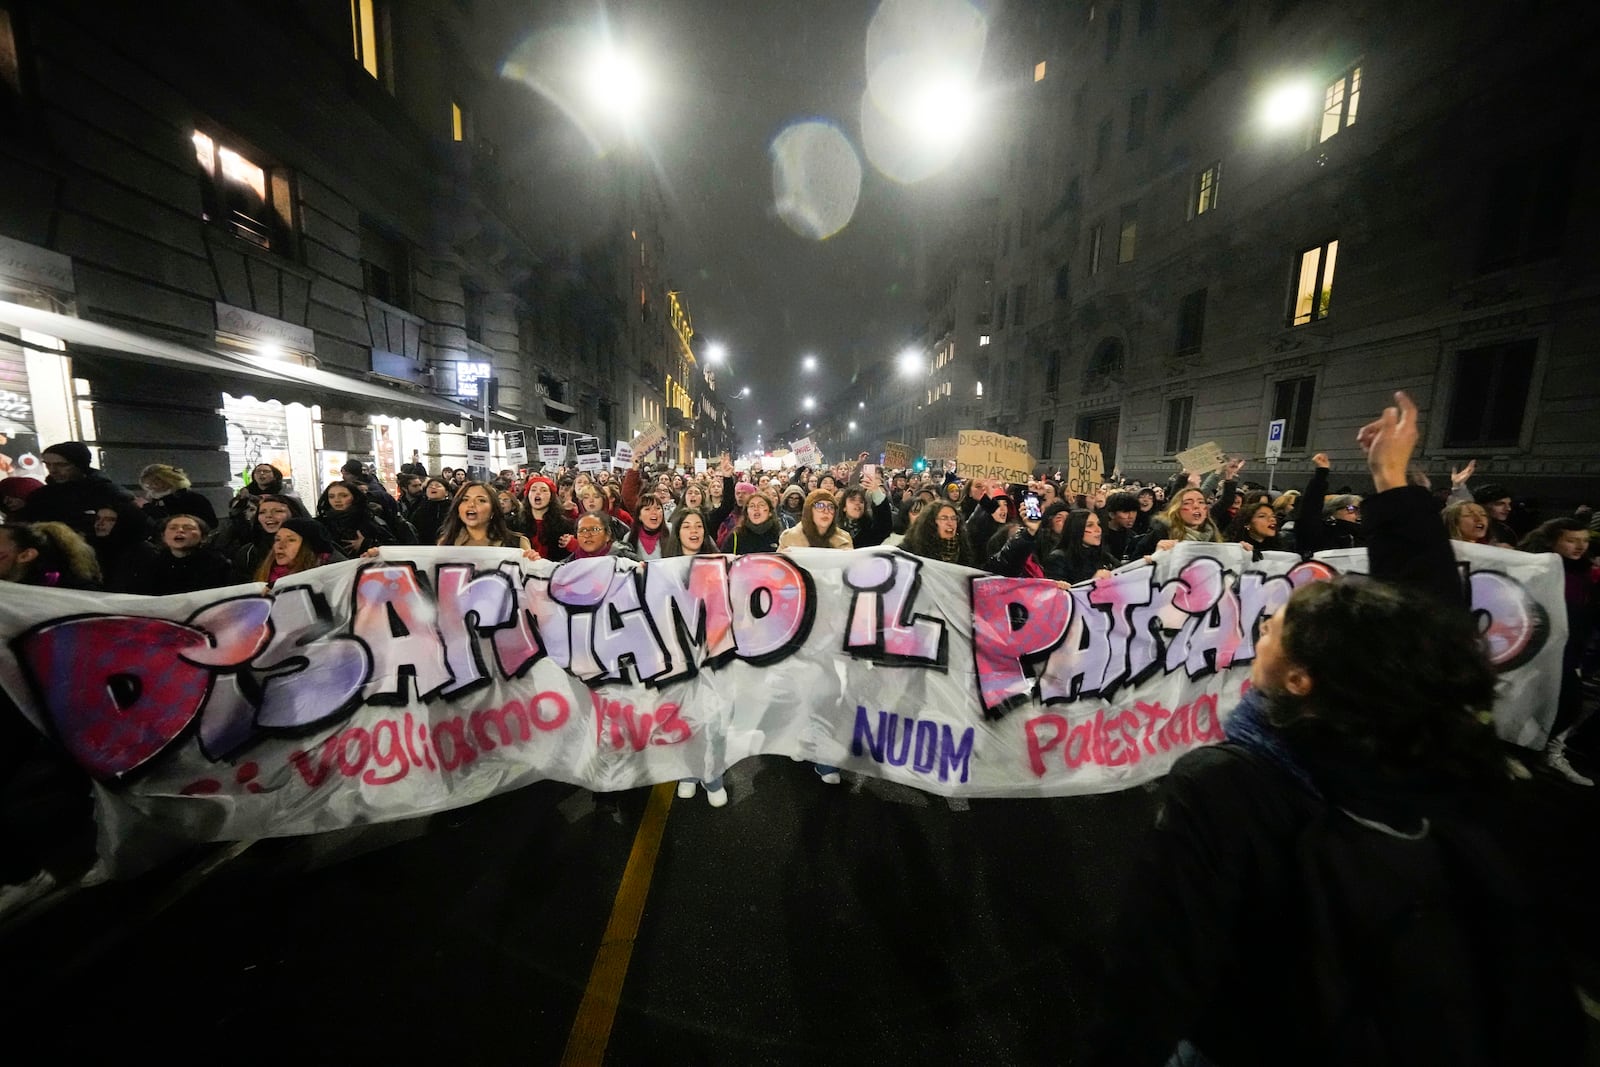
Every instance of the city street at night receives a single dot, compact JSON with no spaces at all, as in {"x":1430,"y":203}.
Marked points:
{"x":611,"y":532}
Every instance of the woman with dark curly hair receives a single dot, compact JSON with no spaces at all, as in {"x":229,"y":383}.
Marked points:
{"x":938,"y":533}
{"x":1344,"y":817}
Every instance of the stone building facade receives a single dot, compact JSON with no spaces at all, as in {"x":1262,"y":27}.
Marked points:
{"x":302,"y":223}
{"x":1181,"y":256}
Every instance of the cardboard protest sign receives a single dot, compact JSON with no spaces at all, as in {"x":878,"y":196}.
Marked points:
{"x":649,"y":438}
{"x":1085,"y":467}
{"x":516,"y":447}
{"x":609,"y":676}
{"x":1201,"y":459}
{"x":896,"y":456}
{"x":621,"y":456}
{"x":588,"y":452}
{"x":552,"y":452}
{"x":700,"y":465}
{"x":981,"y":454}
{"x":940,"y":448}
{"x":805,"y":452}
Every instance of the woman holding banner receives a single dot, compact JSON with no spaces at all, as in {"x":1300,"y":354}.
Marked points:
{"x":1322,"y":888}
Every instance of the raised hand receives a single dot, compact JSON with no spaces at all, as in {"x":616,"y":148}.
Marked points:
{"x":1389,"y":440}
{"x":1320,"y":461}
{"x":1458,"y":478}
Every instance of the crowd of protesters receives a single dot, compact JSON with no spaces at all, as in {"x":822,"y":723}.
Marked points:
{"x":80,"y":530}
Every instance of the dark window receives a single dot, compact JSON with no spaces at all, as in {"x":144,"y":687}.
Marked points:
{"x":1106,"y":366}
{"x":1047,"y":438}
{"x":385,"y":267}
{"x":1137,"y":108}
{"x":1192,"y":323}
{"x":1490,"y":394}
{"x":1102,"y":143}
{"x":1526,"y":214}
{"x":1019,"y":306}
{"x":473,"y":301}
{"x":1000,"y":312}
{"x":1052,"y":372}
{"x":1180,"y":410}
{"x":1291,"y":401}
{"x":1113,"y":32}
{"x":1225,"y":49}
{"x":1097,"y":244}
{"x":1063,"y":281}
{"x":1147,"y":17}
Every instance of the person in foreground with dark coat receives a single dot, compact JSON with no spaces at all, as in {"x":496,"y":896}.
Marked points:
{"x":74,"y":492}
{"x":1320,"y":888}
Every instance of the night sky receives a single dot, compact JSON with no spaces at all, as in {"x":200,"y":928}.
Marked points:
{"x":731,"y":77}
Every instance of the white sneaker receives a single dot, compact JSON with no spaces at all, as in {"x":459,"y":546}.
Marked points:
{"x":717,"y":797}
{"x":1556,"y":760}
{"x":831,"y":778}
{"x":686,"y":789}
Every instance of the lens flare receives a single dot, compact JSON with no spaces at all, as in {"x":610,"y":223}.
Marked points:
{"x":923,"y":60}
{"x":816,"y":179}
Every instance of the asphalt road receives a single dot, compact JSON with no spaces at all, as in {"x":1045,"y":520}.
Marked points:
{"x":802,"y":924}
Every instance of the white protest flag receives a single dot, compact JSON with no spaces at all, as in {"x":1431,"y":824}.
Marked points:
{"x":244,"y":712}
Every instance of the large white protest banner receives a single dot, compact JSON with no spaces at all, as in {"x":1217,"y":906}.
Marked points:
{"x":430,"y":678}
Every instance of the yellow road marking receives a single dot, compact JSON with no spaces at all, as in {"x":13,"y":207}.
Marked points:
{"x":591,"y":1027}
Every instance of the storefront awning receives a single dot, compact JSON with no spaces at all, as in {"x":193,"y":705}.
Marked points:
{"x":265,"y":378}
{"x":558,"y":407}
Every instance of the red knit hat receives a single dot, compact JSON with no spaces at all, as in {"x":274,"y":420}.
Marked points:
{"x":19,"y":487}
{"x":535,"y":479}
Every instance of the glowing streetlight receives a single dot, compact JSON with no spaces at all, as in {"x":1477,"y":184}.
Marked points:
{"x":808,"y":364}
{"x":616,"y":84}
{"x":862,"y":404}
{"x":808,"y":403}
{"x":716,"y":352}
{"x":744,"y":392}
{"x":1287,"y":106}
{"x":852,"y":425}
{"x":758,"y":422}
{"x":910,"y":363}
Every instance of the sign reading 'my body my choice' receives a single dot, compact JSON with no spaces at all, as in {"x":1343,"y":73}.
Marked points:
{"x":981,"y":454}
{"x":248,"y":712}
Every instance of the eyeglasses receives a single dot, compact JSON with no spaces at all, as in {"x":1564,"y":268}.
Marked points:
{"x":590,"y":530}
{"x":822,"y":505}
{"x":1352,"y":507}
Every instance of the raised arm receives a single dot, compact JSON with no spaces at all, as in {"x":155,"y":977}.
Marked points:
{"x":1406,"y":542}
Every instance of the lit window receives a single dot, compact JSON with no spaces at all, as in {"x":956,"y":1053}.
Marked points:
{"x":1339,"y":103}
{"x":235,"y":193}
{"x":1314,"y":283}
{"x":1038,"y":71}
{"x":979,"y":387}
{"x":1205,"y":190}
{"x":455,"y":122}
{"x":1128,"y":234}
{"x":364,"y":34}
{"x":983,"y":340}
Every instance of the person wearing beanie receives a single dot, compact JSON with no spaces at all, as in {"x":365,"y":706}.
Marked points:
{"x":14,"y":493}
{"x":790,"y":505}
{"x":299,"y":545}
{"x":550,"y":527}
{"x":74,"y":492}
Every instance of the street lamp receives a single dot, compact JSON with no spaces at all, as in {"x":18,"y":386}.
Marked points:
{"x":1287,"y":106}
{"x":852,"y":425}
{"x":744,"y":392}
{"x":808,"y":364}
{"x":616,"y":84}
{"x":910,"y":363}
{"x":808,"y":403}
{"x":716,"y":352}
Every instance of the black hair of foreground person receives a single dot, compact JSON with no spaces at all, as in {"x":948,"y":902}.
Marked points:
{"x":1323,"y":888}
